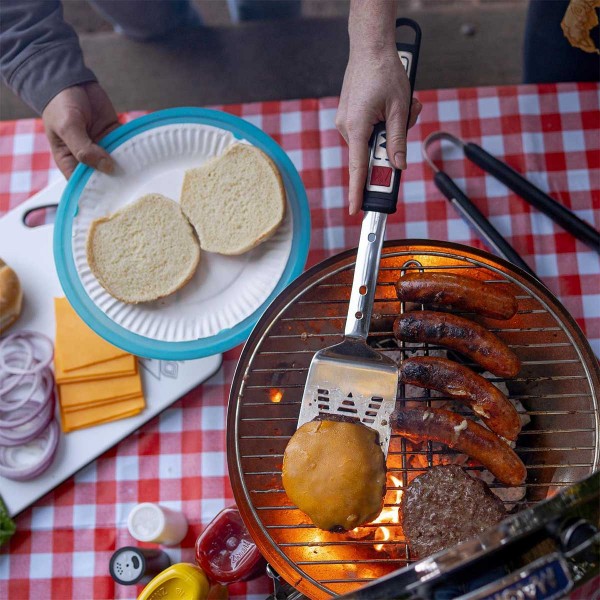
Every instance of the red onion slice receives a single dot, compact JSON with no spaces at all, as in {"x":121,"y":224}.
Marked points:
{"x":8,"y":403}
{"x":28,"y":431}
{"x":46,"y":389}
{"x":11,"y":378}
{"x":29,"y":460}
{"x":16,"y":347}
{"x":39,"y":340}
{"x":35,"y":341}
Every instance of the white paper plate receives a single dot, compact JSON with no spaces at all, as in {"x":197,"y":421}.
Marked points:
{"x":226,"y":291}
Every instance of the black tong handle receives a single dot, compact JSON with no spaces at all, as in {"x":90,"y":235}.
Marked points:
{"x":536,"y":197}
{"x":476,"y":218}
{"x":383,"y":180}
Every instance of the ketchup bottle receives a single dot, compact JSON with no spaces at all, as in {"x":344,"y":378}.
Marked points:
{"x":225,"y":551}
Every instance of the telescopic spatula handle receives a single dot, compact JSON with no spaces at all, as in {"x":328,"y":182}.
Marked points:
{"x":383,"y":180}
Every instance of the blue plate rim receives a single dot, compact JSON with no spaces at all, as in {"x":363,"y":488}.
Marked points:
{"x":228,"y":338}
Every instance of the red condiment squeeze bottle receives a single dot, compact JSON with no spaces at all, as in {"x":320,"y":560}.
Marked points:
{"x":225,"y":550}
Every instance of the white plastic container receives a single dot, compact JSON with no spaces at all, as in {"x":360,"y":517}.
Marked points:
{"x":148,"y":522}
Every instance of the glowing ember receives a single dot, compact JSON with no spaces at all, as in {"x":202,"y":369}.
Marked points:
{"x":275,"y":395}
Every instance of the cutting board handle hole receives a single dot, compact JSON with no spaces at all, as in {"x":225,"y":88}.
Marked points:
{"x":40,"y":215}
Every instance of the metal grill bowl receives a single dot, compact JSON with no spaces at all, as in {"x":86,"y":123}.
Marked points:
{"x":557,"y":387}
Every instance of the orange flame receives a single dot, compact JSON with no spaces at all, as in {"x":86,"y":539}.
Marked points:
{"x":275,"y":395}
{"x":389,"y":514}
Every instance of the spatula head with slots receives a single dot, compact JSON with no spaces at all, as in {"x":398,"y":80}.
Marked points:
{"x":352,"y":382}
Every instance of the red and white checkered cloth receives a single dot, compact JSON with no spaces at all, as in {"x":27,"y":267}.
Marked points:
{"x":549,"y":133}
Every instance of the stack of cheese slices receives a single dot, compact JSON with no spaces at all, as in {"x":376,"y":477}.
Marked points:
{"x":96,"y":381}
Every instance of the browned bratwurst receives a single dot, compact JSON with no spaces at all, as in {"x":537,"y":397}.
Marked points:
{"x":460,"y":334}
{"x":458,"y":292}
{"x":462,"y":384}
{"x":465,"y":436}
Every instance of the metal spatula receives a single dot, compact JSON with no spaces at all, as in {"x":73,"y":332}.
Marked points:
{"x":350,"y":379}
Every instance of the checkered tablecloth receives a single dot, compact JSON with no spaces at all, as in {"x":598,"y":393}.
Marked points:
{"x":550,"y":133}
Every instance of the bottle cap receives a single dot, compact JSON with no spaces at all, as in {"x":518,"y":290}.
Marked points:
{"x":182,"y":580}
{"x":148,"y":522}
{"x":129,"y":565}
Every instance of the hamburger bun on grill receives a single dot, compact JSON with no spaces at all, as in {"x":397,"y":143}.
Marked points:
{"x":335,"y":473}
{"x":235,"y":201}
{"x":145,"y":251}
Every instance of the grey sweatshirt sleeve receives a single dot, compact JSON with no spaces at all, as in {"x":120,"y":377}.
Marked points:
{"x":39,"y":52}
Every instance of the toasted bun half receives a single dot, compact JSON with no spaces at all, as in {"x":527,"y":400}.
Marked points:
{"x":145,"y":251}
{"x":234,"y":201}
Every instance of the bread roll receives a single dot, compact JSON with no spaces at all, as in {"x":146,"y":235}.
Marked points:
{"x":145,"y":251}
{"x":235,"y":201}
{"x":335,"y":473}
{"x":11,"y":297}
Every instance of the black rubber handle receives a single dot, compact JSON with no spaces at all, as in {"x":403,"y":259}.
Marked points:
{"x":383,"y":180}
{"x":478,"y":221}
{"x":536,"y":197}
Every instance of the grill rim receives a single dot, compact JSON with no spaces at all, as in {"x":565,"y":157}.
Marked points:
{"x":329,"y":267}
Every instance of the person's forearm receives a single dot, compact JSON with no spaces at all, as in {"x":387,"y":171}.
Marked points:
{"x":40,"y":53}
{"x":372,"y":25}
{"x":375,"y":89}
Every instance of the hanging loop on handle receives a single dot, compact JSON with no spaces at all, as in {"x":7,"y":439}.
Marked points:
{"x":383,"y":180}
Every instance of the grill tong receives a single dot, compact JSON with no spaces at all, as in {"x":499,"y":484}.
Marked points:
{"x":518,"y":184}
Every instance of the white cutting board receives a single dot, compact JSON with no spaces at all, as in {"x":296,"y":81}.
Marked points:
{"x":28,"y":250}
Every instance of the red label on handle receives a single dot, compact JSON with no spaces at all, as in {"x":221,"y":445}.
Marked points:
{"x":381,"y":176}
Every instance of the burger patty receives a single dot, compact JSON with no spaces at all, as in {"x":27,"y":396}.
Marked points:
{"x":446,"y":506}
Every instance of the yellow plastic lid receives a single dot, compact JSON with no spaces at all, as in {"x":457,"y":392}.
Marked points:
{"x":182,"y":581}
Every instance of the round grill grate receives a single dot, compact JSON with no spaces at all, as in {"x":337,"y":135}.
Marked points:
{"x":556,"y":390}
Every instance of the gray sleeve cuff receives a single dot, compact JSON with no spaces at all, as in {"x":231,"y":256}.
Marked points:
{"x":49,"y":71}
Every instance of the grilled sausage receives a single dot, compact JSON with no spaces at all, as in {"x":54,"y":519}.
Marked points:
{"x":465,"y":436}
{"x":460,"y":334}
{"x":458,"y":292}
{"x":462,"y":384}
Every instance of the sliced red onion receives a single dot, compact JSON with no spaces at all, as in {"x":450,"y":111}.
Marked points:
{"x":29,"y":460}
{"x":10,"y":404}
{"x":40,"y":340}
{"x":28,"y":431}
{"x":45,"y":389}
{"x":16,"y":347}
{"x":35,"y":341}
{"x":11,"y":378}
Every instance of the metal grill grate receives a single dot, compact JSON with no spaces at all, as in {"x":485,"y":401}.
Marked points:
{"x":557,"y":388}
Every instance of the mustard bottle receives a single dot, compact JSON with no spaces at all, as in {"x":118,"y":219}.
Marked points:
{"x":182,"y":581}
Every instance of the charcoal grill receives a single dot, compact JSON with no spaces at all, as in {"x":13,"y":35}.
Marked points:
{"x":557,"y":388}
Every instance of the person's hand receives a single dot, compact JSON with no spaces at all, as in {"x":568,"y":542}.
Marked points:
{"x":74,"y":120}
{"x":375,"y":88}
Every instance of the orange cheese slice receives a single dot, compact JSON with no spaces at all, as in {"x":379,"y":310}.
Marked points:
{"x":101,"y":414}
{"x":92,"y":392}
{"x":117,"y":367}
{"x":76,"y":345}
{"x":105,"y":403}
